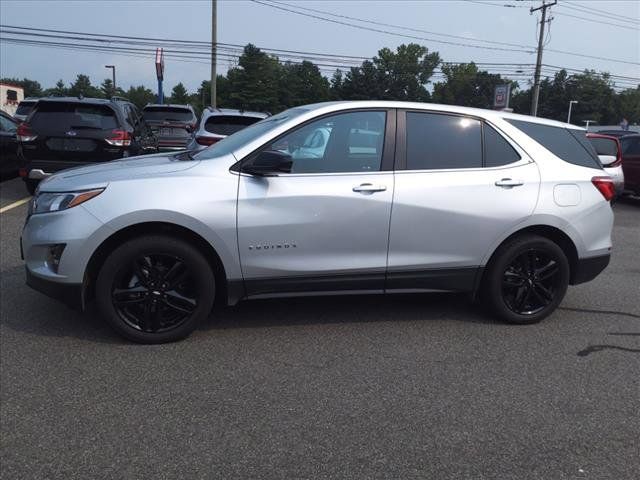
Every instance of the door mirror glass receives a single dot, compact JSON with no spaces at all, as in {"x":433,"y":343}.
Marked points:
{"x":607,"y":160}
{"x":269,"y":162}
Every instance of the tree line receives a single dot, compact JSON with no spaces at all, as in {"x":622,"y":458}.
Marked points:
{"x":261,"y":82}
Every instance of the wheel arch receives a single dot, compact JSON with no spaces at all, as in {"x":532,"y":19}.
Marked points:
{"x":550,"y":232}
{"x":227,"y":291}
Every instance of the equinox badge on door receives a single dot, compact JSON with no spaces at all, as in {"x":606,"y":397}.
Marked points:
{"x":265,"y":246}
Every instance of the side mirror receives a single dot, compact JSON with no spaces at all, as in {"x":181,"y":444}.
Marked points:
{"x":269,"y":162}
{"x":607,"y":160}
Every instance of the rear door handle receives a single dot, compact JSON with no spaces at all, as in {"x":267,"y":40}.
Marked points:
{"x":509,"y":183}
{"x":369,"y":188}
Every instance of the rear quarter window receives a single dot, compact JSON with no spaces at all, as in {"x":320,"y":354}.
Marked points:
{"x":228,"y":124}
{"x":604,"y":146}
{"x":569,"y":145}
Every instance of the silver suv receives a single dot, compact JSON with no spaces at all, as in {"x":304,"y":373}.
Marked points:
{"x":218,"y":123}
{"x":348,"y":197}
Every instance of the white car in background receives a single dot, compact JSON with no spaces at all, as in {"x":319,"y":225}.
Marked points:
{"x":218,"y":123}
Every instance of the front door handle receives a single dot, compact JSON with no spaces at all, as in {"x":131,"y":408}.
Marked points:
{"x":369,"y":188}
{"x":509,"y":183}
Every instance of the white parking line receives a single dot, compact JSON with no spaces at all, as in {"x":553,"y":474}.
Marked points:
{"x":14,"y":204}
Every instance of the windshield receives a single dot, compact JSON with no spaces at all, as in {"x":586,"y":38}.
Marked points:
{"x":247,"y":135}
{"x":167,"y":114}
{"x":228,"y":124}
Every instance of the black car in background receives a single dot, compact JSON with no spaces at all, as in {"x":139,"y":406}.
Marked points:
{"x":64,"y":132}
{"x":172,"y":124}
{"x":8,"y":145}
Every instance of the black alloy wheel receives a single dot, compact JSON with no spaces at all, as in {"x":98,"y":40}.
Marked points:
{"x":155,"y":289}
{"x":525,"y":280}
{"x":154,"y":293}
{"x":530,"y":282}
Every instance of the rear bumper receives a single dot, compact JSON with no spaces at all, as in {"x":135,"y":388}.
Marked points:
{"x":589,"y":268}
{"x":68,"y":293}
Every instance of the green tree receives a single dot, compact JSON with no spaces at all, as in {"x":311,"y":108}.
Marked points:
{"x":107,"y":89}
{"x":82,"y":86}
{"x":255,"y":83}
{"x":140,"y":96}
{"x":179,"y":95}
{"x":629,"y":105}
{"x":31,"y":88}
{"x":302,"y":84}
{"x":58,"y":91}
{"x":466,"y":85}
{"x":399,"y":75}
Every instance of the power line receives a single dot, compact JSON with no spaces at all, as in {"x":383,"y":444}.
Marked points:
{"x":601,"y":22}
{"x":598,"y":12}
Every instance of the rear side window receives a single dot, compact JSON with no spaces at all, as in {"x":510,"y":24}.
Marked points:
{"x":497,"y":150}
{"x":24,"y":108}
{"x":73,"y":116}
{"x":438,"y":141}
{"x":167,"y":114}
{"x":604,"y":146}
{"x":228,"y":124}
{"x":572,"y":147}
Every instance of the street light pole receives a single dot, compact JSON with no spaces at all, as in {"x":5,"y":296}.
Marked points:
{"x":570,"y":105}
{"x":214,"y":47}
{"x":113,"y":73}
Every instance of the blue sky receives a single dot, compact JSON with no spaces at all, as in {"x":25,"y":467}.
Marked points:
{"x":242,"y":21}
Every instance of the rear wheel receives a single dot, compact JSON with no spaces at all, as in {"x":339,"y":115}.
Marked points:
{"x":155,"y":289}
{"x":526,"y":280}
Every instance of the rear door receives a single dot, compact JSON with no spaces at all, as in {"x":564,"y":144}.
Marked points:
{"x":8,"y":145}
{"x":631,"y":162}
{"x":325,"y":225}
{"x":460,"y":184}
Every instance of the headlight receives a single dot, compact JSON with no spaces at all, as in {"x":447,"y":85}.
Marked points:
{"x":45,"y":202}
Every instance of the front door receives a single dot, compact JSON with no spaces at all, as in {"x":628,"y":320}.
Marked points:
{"x":324,"y":226}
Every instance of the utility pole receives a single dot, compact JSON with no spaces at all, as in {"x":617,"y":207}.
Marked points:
{"x":536,"y":78}
{"x":570,"y":105}
{"x":113,"y":71}
{"x":214,"y":48}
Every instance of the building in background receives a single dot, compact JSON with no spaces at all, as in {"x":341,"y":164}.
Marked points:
{"x":10,"y":97}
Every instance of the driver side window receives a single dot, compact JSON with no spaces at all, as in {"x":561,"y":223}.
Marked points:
{"x":346,"y":142}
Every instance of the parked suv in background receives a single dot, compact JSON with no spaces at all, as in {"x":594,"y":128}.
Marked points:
{"x":24,"y":108}
{"x":64,"y":132}
{"x":402,"y":197}
{"x":631,"y":162}
{"x":217,"y":123}
{"x":609,"y":152}
{"x":172,"y":124}
{"x":8,"y":145}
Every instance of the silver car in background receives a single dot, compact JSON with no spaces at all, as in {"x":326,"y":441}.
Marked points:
{"x":332,"y":198}
{"x":218,"y":123}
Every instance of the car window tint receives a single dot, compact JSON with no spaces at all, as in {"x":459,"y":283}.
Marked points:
{"x":167,"y":114}
{"x":60,"y":116}
{"x":497,"y":150}
{"x":570,"y":145}
{"x":228,"y":124}
{"x":604,"y":146}
{"x":437,"y":141}
{"x":7,"y":125}
{"x":24,"y":108}
{"x":630,"y":146}
{"x":346,"y":142}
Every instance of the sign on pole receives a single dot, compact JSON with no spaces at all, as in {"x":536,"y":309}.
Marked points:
{"x":160,"y":72}
{"x":501,"y":96}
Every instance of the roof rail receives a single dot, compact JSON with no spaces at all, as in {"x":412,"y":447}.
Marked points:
{"x":119,"y":99}
{"x":213,"y":109}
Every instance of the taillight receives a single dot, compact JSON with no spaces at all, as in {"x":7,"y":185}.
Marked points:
{"x":23,"y":172}
{"x":605,"y":187}
{"x":119,"y":138}
{"x":25,"y":134}
{"x":207,"y":140}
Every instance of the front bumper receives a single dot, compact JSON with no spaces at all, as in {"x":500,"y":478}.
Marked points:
{"x":70,"y":294}
{"x":589,"y":268}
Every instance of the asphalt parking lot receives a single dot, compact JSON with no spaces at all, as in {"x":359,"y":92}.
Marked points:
{"x":411,"y":386}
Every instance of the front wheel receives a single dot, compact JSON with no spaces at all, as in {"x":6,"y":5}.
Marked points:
{"x":526,"y":279}
{"x":155,"y":289}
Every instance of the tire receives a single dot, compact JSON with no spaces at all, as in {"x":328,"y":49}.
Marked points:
{"x":31,"y":186}
{"x":155,"y":289}
{"x":526,"y":280}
